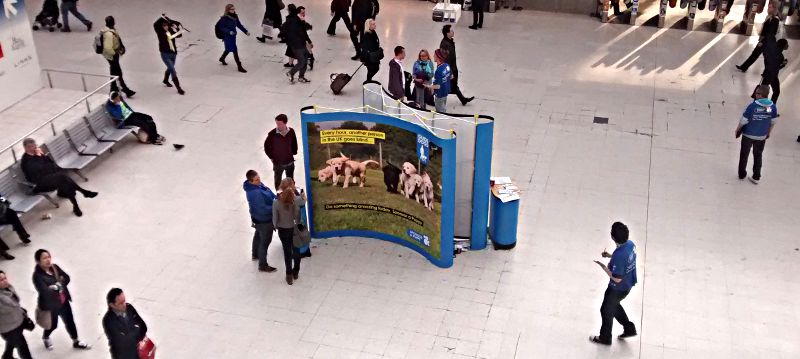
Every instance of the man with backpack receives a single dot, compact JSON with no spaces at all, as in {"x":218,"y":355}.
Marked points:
{"x":109,"y":44}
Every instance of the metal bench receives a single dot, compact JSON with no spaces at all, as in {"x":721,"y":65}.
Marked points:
{"x":27,"y":187}
{"x":103,"y":127}
{"x":66,"y":157}
{"x":82,"y":140}
{"x":13,"y":191}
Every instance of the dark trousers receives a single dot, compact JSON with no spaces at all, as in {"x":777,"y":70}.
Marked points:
{"x":290,"y":253}
{"x":11,"y":217}
{"x":477,"y":14}
{"x":68,"y":7}
{"x":455,"y":90}
{"x":757,"y":51}
{"x":774,"y":83}
{"x":612,"y":309}
{"x":63,"y":184}
{"x":279,"y":170}
{"x":235,"y":57}
{"x":65,"y":312}
{"x":15,"y":339}
{"x":301,"y":55}
{"x":261,"y":241}
{"x":345,"y":18}
{"x":145,"y":123}
{"x":116,"y":70}
{"x":372,"y":69}
{"x":744,"y":154}
{"x":357,"y":34}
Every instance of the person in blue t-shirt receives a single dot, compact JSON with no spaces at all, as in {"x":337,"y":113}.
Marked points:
{"x":259,"y":199}
{"x":754,"y":128}
{"x":441,"y":80}
{"x":621,"y":271}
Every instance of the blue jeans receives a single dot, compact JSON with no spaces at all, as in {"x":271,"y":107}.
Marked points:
{"x":169,"y":59}
{"x":71,"y":7}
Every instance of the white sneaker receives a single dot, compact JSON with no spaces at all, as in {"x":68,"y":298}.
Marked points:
{"x":753,"y":180}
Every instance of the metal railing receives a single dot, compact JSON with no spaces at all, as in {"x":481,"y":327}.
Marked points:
{"x":48,"y":73}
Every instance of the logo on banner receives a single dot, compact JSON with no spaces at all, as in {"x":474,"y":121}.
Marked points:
{"x":423,"y":150}
{"x":8,"y":6}
{"x":17,"y":43}
{"x":421,"y":238}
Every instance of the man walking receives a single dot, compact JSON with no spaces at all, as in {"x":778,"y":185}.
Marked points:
{"x":259,"y":199}
{"x":449,"y":46}
{"x":477,"y":14}
{"x":397,"y":78}
{"x":755,"y":127}
{"x":123,"y":326}
{"x":71,"y":6}
{"x":621,"y":271}
{"x":281,"y":146}
{"x":768,"y":31}
{"x":112,"y":50}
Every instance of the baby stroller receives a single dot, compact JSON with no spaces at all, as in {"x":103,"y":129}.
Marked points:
{"x":48,"y":17}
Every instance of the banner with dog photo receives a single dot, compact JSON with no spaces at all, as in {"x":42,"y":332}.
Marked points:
{"x":377,"y":176}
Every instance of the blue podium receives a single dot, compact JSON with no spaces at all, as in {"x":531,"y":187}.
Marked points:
{"x":503,"y":218}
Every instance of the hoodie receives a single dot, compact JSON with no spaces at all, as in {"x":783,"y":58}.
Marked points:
{"x":260,"y":199}
{"x":758,"y":118}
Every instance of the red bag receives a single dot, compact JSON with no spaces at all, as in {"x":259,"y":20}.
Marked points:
{"x":147,"y":349}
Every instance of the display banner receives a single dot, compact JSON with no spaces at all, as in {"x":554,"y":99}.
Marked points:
{"x":20,"y":74}
{"x":377,"y":176}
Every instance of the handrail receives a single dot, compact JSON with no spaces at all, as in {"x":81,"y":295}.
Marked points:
{"x":52,"y":119}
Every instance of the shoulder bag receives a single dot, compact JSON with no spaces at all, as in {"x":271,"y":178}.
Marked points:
{"x":301,"y":237}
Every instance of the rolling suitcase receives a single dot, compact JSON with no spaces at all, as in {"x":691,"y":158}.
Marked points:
{"x":339,"y":81}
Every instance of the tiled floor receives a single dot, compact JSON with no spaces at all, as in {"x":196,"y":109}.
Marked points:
{"x":717,"y":257}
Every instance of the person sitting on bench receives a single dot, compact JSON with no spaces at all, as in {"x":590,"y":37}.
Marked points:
{"x":10,"y":216}
{"x":125,"y":116}
{"x":45,"y":174}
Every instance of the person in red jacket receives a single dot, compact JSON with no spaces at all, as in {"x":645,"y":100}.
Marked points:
{"x":281,"y":146}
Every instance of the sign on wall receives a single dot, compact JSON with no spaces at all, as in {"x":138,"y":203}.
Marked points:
{"x":20,"y":74}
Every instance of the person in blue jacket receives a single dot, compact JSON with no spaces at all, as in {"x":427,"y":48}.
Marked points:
{"x":228,"y":24}
{"x":259,"y":199}
{"x":756,"y":125}
{"x":621,"y":271}
{"x":124,"y":116}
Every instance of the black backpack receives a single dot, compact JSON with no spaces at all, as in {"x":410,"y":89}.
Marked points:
{"x":218,"y":31}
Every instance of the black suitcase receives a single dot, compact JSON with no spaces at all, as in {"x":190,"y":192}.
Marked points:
{"x":339,"y":81}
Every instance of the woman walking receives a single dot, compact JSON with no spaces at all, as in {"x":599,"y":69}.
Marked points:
{"x":51,"y":282}
{"x":371,"y":51}
{"x":228,"y":24}
{"x":272,"y":19}
{"x":285,"y":216}
{"x":423,"y":74}
{"x":12,"y":319}
{"x":167,"y":31}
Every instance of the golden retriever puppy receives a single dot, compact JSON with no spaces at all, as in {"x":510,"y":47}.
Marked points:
{"x":325,"y":174}
{"x":408,"y":171}
{"x":427,"y":191}
{"x":412,"y":186}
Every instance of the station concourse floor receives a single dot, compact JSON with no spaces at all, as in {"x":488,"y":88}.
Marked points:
{"x":718,"y":257}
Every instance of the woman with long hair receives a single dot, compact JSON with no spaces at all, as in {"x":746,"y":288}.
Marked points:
{"x":285,"y":217}
{"x":423,"y":74}
{"x":228,"y":24}
{"x":371,"y":51}
{"x":51,"y":282}
{"x":167,"y":30}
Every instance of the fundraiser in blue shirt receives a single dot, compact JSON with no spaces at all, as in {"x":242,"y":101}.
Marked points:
{"x":757,"y":119}
{"x":442,"y":78}
{"x":623,"y":265}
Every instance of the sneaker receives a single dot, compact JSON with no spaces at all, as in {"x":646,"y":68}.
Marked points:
{"x":597,"y":340}
{"x":473,"y":27}
{"x":291,"y":77}
{"x":162,"y":138}
{"x":288,"y":65}
{"x":90,"y":194}
{"x":261,"y":39}
{"x":740,"y":68}
{"x":303,"y":80}
{"x":81,"y":345}
{"x":627,"y":335}
{"x":753,"y":180}
{"x":48,"y":344}
{"x":267,"y":269}
{"x":26,"y":239}
{"x":467,"y":100}
{"x":6,"y":256}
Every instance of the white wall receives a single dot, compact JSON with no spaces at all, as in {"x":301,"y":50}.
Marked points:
{"x":20,"y":74}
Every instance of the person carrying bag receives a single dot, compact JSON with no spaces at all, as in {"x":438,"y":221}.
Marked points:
{"x":285,"y":218}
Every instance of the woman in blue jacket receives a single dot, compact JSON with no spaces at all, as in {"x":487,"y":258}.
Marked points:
{"x":228,"y":24}
{"x":124,"y":116}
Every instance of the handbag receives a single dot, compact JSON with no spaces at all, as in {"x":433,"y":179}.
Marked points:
{"x":28,"y":324}
{"x":301,"y":237}
{"x":147,"y":349}
{"x":44,"y":318}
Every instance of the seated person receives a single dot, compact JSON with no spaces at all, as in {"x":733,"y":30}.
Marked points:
{"x":47,"y":176}
{"x":9,"y":216}
{"x":124,"y":116}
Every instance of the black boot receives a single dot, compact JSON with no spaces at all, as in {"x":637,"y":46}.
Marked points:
{"x":166,"y":79}
{"x":6,"y":256}
{"x":222,"y":58}
{"x":178,"y":85}
{"x":128,"y":92}
{"x":238,"y":63}
{"x":311,"y":63}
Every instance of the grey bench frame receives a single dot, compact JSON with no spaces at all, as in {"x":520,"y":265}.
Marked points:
{"x":83,"y":141}
{"x":103,"y":127}
{"x":19,"y":192}
{"x":66,"y":157}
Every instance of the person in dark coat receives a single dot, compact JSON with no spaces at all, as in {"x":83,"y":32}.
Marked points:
{"x":12,"y":321}
{"x":45,"y":174}
{"x":281,"y":147}
{"x":297,"y":40}
{"x":340,"y":9}
{"x":272,"y":20}
{"x":167,"y":31}
{"x":769,"y":30}
{"x":449,"y":46}
{"x":477,"y":14}
{"x":228,"y":24}
{"x":396,"y":74}
{"x":371,"y":51}
{"x":123,"y":325}
{"x":11,"y":217}
{"x":52,"y":284}
{"x":362,"y":10}
{"x":772,"y":64}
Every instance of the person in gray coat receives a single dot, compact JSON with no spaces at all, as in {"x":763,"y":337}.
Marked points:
{"x":12,"y":317}
{"x":285,"y":216}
